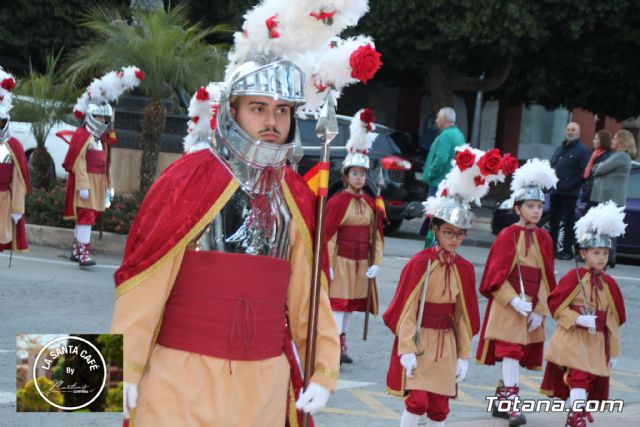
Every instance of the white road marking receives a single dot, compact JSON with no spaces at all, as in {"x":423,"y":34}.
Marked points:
{"x":347,"y":384}
{"x":51,"y":261}
{"x":626,"y":278}
{"x":2,"y":350}
{"x":7,"y":397}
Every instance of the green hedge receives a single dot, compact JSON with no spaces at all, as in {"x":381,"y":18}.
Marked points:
{"x":44,"y":207}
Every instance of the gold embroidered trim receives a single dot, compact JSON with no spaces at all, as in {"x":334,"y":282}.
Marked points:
{"x":325,"y":372}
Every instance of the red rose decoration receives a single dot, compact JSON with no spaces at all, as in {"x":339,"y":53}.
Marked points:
{"x":214,"y":117}
{"x":272,"y":24}
{"x":364,"y":62}
{"x":444,"y":193}
{"x":490,"y":163}
{"x":465,"y":159}
{"x":8,"y":84}
{"x":139,"y":75}
{"x":367,"y":117}
{"x":202,"y":94}
{"x":79,"y":114}
{"x":509,"y":164}
{"x":478,"y":180}
{"x":325,"y":17}
{"x":195,"y":119}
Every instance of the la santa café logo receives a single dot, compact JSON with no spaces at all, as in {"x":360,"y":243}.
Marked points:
{"x":90,"y":365}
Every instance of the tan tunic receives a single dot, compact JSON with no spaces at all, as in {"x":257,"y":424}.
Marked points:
{"x":11,"y":201}
{"x":506,"y":324}
{"x":575,"y":347}
{"x":349,"y":280}
{"x":98,"y":184}
{"x":189,"y":389}
{"x":436,"y":374}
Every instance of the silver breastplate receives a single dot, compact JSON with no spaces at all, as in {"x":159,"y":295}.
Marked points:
{"x":255,"y":221}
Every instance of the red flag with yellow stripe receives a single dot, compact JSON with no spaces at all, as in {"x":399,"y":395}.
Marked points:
{"x":380,"y":205}
{"x":317,"y":178}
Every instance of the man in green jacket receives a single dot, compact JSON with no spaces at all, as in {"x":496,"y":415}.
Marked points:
{"x":441,"y":153}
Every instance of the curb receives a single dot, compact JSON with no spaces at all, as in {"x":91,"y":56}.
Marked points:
{"x":57,"y":237}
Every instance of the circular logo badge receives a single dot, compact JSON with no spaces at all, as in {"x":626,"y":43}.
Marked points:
{"x":84,"y":368}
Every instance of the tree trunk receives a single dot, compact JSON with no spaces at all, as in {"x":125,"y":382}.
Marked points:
{"x":441,"y":92}
{"x":153,"y":122}
{"x":42,"y":169}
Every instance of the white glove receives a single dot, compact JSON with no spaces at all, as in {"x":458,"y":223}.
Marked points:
{"x":535,"y":320}
{"x":409,"y":363}
{"x":521,"y":306}
{"x":330,"y":273}
{"x":586,"y":321}
{"x":372,"y":271}
{"x":129,"y":397}
{"x":16,"y":217}
{"x":313,"y":399}
{"x":613,"y":362}
{"x":461,"y":370}
{"x":83,"y":193}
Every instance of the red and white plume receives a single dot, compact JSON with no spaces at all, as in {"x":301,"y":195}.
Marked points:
{"x":7,"y":84}
{"x":108,"y":88}
{"x":203,"y":117}
{"x":361,"y":135}
{"x":306,"y":33}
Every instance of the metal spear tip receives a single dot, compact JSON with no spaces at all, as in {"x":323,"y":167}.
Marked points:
{"x":297,"y":153}
{"x":327,"y":127}
{"x":380,"y":182}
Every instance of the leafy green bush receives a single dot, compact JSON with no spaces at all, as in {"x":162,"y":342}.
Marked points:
{"x":28,"y":399}
{"x":44,"y":207}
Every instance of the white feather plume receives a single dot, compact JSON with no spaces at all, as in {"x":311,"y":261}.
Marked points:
{"x":108,"y":88}
{"x":360,"y":138}
{"x":201,"y":111}
{"x":535,"y":172}
{"x":605,"y":218}
{"x":6,"y":97}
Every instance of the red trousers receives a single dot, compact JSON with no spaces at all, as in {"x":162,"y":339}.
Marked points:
{"x":86,"y":216}
{"x":435,"y":405}
{"x":512,"y":350}
{"x":579,"y":379}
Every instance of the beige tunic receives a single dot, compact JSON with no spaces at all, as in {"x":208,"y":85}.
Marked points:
{"x":349,"y":280}
{"x":98,"y":184}
{"x":11,"y":201}
{"x":436,"y":374}
{"x":506,"y":324}
{"x":178,"y":388}
{"x":575,"y":347}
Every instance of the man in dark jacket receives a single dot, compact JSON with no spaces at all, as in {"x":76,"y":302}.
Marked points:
{"x":569,"y":160}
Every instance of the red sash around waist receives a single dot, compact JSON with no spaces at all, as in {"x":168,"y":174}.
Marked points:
{"x":6,"y":176}
{"x":438,"y":315}
{"x":353,"y":241}
{"x":531,"y":277}
{"x":229,"y":306}
{"x":601,"y":318}
{"x":96,"y":161}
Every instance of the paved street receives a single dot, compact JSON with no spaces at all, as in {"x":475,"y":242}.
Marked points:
{"x":44,"y":293}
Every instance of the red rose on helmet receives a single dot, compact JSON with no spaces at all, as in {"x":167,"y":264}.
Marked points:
{"x":367,"y":118}
{"x":478,"y":181}
{"x":509,"y":164}
{"x":271,"y":24}
{"x":465,"y":159}
{"x":8,"y":84}
{"x":139,"y":75}
{"x":79,"y":114}
{"x":364,"y":62}
{"x":202,"y":94}
{"x":490,"y":163}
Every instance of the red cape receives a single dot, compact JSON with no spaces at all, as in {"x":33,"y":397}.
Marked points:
{"x":553,"y":380}
{"x":336,"y":209}
{"x":181,"y":203}
{"x":80,"y":138}
{"x":410,"y":278}
{"x":497,"y":269}
{"x":19,"y":244}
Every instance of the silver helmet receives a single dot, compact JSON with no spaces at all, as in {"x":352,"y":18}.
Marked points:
{"x":355,"y":159}
{"x":281,"y":80}
{"x":530,"y":192}
{"x":5,"y":118}
{"x":595,"y":241}
{"x":455,"y":212}
{"x":95,"y":126}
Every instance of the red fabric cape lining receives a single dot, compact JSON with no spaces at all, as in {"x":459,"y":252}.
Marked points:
{"x":21,"y":158}
{"x":20,"y":243}
{"x":409,"y":280}
{"x":496,"y":271}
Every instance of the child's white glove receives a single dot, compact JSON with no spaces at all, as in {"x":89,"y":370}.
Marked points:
{"x":314,"y":398}
{"x":586,"y":321}
{"x":521,"y":306}
{"x":535,"y":321}
{"x":409,"y":363}
{"x":129,"y":397}
{"x":461,"y":370}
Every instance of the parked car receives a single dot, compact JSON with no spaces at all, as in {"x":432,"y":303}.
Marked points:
{"x":504,"y":216}
{"x":55,"y":145}
{"x":403,"y":193}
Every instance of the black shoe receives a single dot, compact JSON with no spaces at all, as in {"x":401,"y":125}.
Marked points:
{"x":344,"y":358}
{"x":564,"y":256}
{"x":517,"y":420}
{"x":499,"y":414}
{"x":87,"y":263}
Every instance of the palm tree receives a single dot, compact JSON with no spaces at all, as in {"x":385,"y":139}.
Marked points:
{"x":172,"y":52}
{"x":43,"y":100}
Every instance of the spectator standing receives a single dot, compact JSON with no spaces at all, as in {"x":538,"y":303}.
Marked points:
{"x":601,"y":152}
{"x":570,"y":161}
{"x":611,"y":176}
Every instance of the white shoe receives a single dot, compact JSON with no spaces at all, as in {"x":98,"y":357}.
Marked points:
{"x":409,"y":420}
